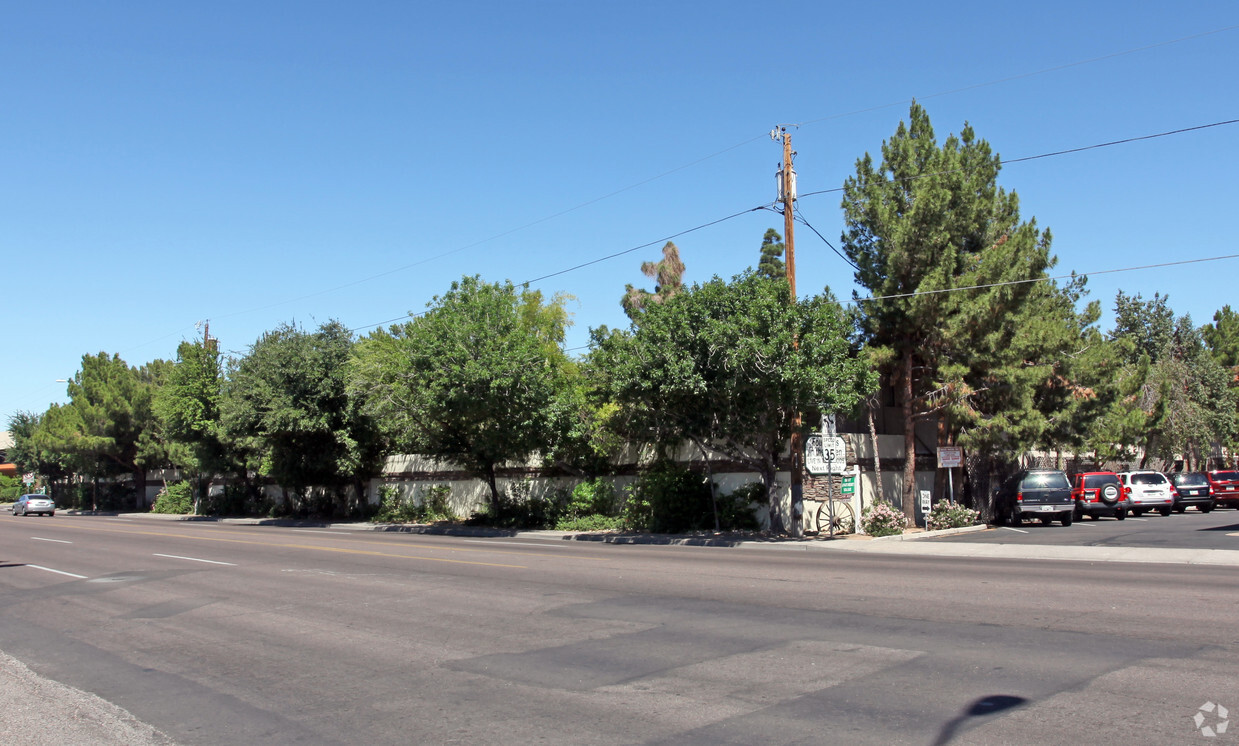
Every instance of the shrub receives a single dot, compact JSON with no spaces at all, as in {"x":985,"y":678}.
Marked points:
{"x":882,"y":519}
{"x":11,"y":488}
{"x":434,"y":505}
{"x":591,"y":522}
{"x":669,"y":499}
{"x":590,"y":506}
{"x":735,"y":510}
{"x":948,"y":515}
{"x":176,"y":498}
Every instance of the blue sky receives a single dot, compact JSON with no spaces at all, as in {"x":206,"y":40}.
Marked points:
{"x":254,"y":163}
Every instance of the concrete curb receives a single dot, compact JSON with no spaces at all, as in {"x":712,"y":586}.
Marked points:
{"x":918,"y":535}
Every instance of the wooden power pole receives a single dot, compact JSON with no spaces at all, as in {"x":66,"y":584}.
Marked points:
{"x":787,"y":195}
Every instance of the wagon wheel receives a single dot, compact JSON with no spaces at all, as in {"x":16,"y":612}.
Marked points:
{"x":843,"y":518}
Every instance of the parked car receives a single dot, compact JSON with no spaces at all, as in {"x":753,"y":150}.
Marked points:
{"x":1225,"y":486}
{"x":1098,"y":493}
{"x":1192,"y":488}
{"x":40,"y":504}
{"x":1148,"y":490}
{"x":1043,"y":493}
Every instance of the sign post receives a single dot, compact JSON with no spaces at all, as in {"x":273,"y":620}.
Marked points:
{"x":950,"y":457}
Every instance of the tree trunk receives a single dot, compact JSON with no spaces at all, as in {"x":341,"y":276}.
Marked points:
{"x":909,"y":441}
{"x":494,"y":489}
{"x":877,"y":461}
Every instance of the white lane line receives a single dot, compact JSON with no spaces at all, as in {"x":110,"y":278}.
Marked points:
{"x":58,"y":572}
{"x":320,"y":531}
{"x":195,"y":559}
{"x":121,"y":520}
{"x":1017,"y":530}
{"x":58,"y":541}
{"x":524,"y":542}
{"x":1090,"y":524}
{"x":1143,"y":520}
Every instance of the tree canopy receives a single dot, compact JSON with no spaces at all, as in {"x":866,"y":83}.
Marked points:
{"x":725,"y":365}
{"x":477,"y":379}
{"x":961,"y":315}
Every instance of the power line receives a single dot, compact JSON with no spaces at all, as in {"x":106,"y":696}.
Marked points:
{"x":600,"y":259}
{"x":842,"y":256}
{"x":839,"y":189}
{"x":1041,"y":279}
{"x":702,"y":159}
{"x":1003,"y":162}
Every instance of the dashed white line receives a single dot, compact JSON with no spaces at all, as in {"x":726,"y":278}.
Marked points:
{"x":1017,"y":530}
{"x":58,"y":572}
{"x":58,"y":541}
{"x":195,"y":559}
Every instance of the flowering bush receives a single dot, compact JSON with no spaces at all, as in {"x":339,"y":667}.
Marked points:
{"x":882,"y":519}
{"x":948,"y":515}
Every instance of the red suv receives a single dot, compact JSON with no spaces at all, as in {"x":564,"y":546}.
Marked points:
{"x":1099,"y":493}
{"x":1225,"y":486}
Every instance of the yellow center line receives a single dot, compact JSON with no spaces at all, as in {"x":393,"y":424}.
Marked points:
{"x":363,"y":538}
{"x":296,"y":546}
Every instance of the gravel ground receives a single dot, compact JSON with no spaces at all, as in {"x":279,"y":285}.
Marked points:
{"x":37,"y":711}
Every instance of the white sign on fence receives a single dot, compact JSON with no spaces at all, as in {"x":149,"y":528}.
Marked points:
{"x":825,"y":455}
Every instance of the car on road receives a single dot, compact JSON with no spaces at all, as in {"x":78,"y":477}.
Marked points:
{"x":40,"y":504}
{"x":1192,"y":488}
{"x":1148,"y":490}
{"x":1225,"y":484}
{"x":1098,"y":493}
{"x":1039,"y":493}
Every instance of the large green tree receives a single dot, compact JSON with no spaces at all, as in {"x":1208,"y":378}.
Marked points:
{"x":960,"y":317}
{"x":1180,"y":403}
{"x":102,"y":426}
{"x":287,"y":402}
{"x":726,"y":365}
{"x":478,"y":379}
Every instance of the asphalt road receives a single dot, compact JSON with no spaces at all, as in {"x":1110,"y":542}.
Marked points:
{"x":211,"y":633}
{"x":1191,"y":529}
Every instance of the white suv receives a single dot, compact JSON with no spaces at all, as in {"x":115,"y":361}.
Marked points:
{"x":1148,"y":490}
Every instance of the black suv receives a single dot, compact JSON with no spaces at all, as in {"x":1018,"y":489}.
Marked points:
{"x":1040,"y":493}
{"x":1192,"y":488}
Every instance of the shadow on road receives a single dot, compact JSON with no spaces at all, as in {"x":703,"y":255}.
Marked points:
{"x":990,"y":705}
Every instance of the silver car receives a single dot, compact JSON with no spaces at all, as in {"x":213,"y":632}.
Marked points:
{"x":1148,"y":490}
{"x":41,"y":504}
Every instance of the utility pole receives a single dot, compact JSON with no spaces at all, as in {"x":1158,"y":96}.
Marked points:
{"x":787,"y":195}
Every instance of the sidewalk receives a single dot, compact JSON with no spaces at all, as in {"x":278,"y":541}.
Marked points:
{"x":910,"y":543}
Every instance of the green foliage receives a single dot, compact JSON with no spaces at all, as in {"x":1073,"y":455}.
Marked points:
{"x":11,"y":488}
{"x":592,"y":505}
{"x":669,"y":499}
{"x":177,"y":498}
{"x":477,"y":380}
{"x":988,"y":356}
{"x":288,"y":405}
{"x":234,"y":499}
{"x":880,"y":518}
{"x":434,"y":505}
{"x":1176,"y":398}
{"x":948,"y":515}
{"x":771,"y":264}
{"x":592,"y":522}
{"x":726,"y":365}
{"x":1222,"y":337}
{"x":100,"y":431}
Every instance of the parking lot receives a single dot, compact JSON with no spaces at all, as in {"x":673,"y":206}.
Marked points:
{"x":1190,"y":530}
